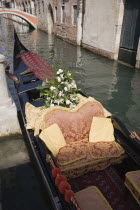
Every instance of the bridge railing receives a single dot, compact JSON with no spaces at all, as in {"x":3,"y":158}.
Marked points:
{"x":16,"y":10}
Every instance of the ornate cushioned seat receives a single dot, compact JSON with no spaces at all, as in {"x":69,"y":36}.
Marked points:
{"x":79,"y":155}
{"x":82,"y":156}
{"x":91,"y":198}
{"x":75,"y":125}
{"x":132,"y":182}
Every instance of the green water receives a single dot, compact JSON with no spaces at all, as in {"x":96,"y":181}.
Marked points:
{"x":115,"y":85}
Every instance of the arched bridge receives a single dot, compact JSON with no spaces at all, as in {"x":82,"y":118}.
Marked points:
{"x":31,"y":19}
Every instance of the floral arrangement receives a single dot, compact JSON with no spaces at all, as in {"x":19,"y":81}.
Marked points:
{"x":61,"y":91}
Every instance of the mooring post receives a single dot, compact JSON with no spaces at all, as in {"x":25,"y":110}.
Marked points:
{"x":8,"y":113}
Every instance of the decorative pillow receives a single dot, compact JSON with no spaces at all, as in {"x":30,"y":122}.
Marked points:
{"x":105,"y":149}
{"x":75,"y":125}
{"x":101,"y":130}
{"x":70,"y":154}
{"x":53,"y":138}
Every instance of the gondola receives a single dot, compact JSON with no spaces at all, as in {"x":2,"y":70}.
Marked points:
{"x":26,"y":83}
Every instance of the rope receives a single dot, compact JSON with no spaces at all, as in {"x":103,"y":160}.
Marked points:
{"x":136,"y":135}
{"x":75,"y":203}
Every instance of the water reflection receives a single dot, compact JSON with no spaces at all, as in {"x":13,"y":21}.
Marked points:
{"x":116,"y":86}
{"x":121,"y":98}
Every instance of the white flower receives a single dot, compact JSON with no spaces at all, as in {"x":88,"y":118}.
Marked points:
{"x":73,"y":84}
{"x":52,"y":88}
{"x":48,"y":98}
{"x":72,"y":97}
{"x":62,"y":76}
{"x":61,"y":101}
{"x":59,"y":71}
{"x":67,"y":102}
{"x":69,"y":86}
{"x":61,"y":93}
{"x":52,"y":105}
{"x":69,"y":74}
{"x":65,"y":88}
{"x":58,"y":79}
{"x":56,"y":102}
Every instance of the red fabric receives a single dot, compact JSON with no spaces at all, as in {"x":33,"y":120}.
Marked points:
{"x":55,"y":172}
{"x":68,"y":195}
{"x":41,"y":68}
{"x":59,"y":179}
{"x":63,"y":186}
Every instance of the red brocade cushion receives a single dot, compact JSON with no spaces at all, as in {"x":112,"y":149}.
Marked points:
{"x":105,"y":149}
{"x":85,"y":153}
{"x":75,"y":125}
{"x":69,"y":154}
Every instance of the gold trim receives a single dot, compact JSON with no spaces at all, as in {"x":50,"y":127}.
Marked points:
{"x":75,"y":109}
{"x":99,"y":193}
{"x":131,"y":180}
{"x":114,"y":160}
{"x":132,"y":193}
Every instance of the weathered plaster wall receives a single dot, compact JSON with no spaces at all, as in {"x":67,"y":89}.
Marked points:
{"x":102,"y":26}
{"x":42,"y":14}
{"x":65,"y":30}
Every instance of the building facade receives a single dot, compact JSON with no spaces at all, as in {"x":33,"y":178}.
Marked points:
{"x":100,"y":26}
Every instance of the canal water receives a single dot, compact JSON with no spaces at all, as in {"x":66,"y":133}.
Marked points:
{"x":114,"y":84}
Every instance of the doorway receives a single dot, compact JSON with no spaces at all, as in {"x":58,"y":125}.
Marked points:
{"x":130,"y":32}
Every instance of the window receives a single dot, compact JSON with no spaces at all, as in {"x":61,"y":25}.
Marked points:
{"x":39,"y":11}
{"x":43,"y":6}
{"x":56,"y":16}
{"x":75,"y":14}
{"x":62,"y":14}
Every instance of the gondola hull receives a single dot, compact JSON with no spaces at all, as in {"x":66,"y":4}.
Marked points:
{"x":27,"y":92}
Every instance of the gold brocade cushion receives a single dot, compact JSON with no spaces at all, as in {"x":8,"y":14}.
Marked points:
{"x":101,"y":130}
{"x":91,"y":198}
{"x":70,"y":154}
{"x":105,"y":149}
{"x":82,"y":153}
{"x":53,"y":138}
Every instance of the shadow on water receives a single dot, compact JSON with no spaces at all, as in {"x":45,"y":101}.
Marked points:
{"x":20,"y":189}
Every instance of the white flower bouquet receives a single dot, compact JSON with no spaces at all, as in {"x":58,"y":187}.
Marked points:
{"x":61,"y":91}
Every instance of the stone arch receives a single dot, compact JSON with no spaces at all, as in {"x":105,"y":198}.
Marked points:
{"x":21,"y":16}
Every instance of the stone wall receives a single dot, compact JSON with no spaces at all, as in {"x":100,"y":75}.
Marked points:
{"x":66,"y":30}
